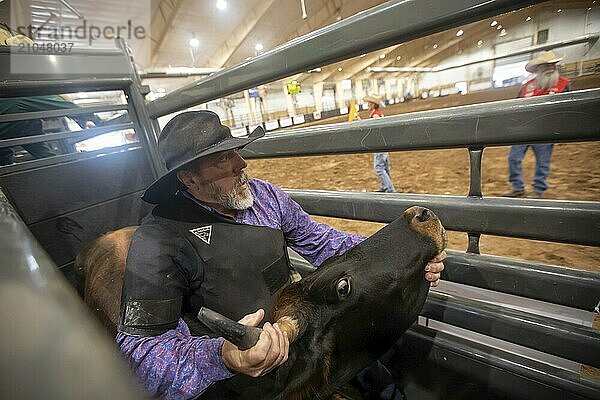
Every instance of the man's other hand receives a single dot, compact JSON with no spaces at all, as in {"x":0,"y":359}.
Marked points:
{"x":269,"y":352}
{"x":434,"y":268}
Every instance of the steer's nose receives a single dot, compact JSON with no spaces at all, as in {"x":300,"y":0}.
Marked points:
{"x":424,"y":214}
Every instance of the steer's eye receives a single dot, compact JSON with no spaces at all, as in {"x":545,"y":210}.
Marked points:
{"x":343,"y":287}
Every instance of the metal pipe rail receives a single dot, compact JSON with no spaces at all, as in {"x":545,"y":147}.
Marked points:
{"x":34,"y":294}
{"x":567,"y":340}
{"x":390,"y":23}
{"x":75,"y":51}
{"x":48,"y":161}
{"x":589,"y":38}
{"x":576,"y":222}
{"x":43,"y":87}
{"x":550,"y":283}
{"x":502,"y":371}
{"x":68,"y":112}
{"x":75,"y":135}
{"x":573,"y":117}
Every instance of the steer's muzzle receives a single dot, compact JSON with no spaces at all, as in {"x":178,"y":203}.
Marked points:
{"x":425,"y":221}
{"x":423,"y":214}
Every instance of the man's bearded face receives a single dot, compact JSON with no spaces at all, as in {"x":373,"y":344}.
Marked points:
{"x":239,"y":197}
{"x":546,"y":77}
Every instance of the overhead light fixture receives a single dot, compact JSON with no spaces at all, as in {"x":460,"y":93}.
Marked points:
{"x":340,"y":69}
{"x":399,"y":58}
{"x":494,"y":23}
{"x":194,"y":42}
{"x":559,"y":10}
{"x":527,"y":19}
{"x":460,"y":32}
{"x":382,"y":56}
{"x":362,"y":55}
{"x":503,"y":32}
{"x":258,"y":47}
{"x":221,"y":4}
{"x":479,"y":43}
{"x":435,"y":46}
{"x":499,"y":27}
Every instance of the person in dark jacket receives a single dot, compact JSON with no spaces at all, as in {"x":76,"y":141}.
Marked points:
{"x":31,"y":127}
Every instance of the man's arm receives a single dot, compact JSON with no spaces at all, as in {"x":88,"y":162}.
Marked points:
{"x":317,"y":242}
{"x":313,"y":240}
{"x":175,"y":364}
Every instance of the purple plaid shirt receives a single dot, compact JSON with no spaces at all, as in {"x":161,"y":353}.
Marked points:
{"x":177,"y":365}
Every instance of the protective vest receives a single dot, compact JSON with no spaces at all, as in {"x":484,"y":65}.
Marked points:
{"x":531,"y":89}
{"x":244,"y":267}
{"x":236,"y":270}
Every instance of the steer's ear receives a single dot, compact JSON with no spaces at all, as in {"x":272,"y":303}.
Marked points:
{"x":242,"y":336}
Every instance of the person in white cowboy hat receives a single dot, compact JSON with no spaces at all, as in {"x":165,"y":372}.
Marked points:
{"x":215,"y":238}
{"x":381,"y":161}
{"x":546,"y":81}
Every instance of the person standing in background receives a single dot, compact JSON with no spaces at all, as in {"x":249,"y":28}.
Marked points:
{"x":546,"y":81}
{"x":381,"y":162}
{"x":26,"y":104}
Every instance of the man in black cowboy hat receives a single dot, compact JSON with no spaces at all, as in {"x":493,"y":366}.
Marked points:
{"x":217,"y":239}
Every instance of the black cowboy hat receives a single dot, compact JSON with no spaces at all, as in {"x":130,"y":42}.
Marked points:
{"x":187,"y":137}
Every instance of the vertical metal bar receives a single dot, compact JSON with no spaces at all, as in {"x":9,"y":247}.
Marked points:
{"x":473,"y":246}
{"x":475,"y":155}
{"x":139,"y":114}
{"x":155,"y":126}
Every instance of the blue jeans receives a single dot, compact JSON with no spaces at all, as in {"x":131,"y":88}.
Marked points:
{"x":543,"y":154}
{"x":381,"y":165}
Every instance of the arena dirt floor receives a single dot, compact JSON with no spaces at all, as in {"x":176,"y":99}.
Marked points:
{"x":575,"y":175}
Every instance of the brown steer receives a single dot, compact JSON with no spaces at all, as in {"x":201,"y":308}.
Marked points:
{"x":340,"y":318}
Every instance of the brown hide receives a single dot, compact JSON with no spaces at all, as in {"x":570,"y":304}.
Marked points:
{"x":102,"y":263}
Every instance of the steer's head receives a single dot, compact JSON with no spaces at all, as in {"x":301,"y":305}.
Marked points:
{"x":350,"y":311}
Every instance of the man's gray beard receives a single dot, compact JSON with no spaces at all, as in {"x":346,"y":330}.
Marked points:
{"x":232,"y":200}
{"x":547,"y":79}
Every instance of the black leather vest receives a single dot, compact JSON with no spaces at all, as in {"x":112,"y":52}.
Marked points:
{"x":244,"y":267}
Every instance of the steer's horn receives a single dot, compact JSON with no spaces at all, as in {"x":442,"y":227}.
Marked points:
{"x":290,"y":326}
{"x":242,"y":336}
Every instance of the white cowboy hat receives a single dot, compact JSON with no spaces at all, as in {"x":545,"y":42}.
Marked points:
{"x":545,"y":57}
{"x":373,"y":99}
